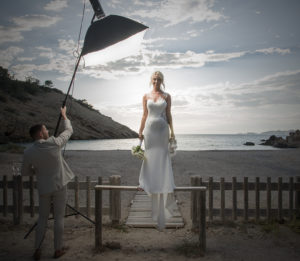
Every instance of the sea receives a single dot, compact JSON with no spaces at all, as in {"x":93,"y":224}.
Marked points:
{"x":186,"y":142}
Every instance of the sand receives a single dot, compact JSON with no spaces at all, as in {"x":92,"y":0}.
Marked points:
{"x":232,"y":241}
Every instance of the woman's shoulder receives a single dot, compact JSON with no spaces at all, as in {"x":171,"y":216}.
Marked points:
{"x":166,"y":95}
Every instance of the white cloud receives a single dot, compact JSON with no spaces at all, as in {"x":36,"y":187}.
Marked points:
{"x":56,"y":5}
{"x":24,"y":24}
{"x":29,"y":22}
{"x":26,"y":59}
{"x":8,"y":55}
{"x":156,"y":59}
{"x":177,"y":11}
{"x":272,"y":50}
{"x":10,"y":35}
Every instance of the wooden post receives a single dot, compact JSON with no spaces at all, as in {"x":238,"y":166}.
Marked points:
{"x":98,"y":217}
{"x":222,"y":189}
{"x":76,"y":194}
{"x":246,"y":199}
{"x":234,"y":199}
{"x":291,"y":198}
{"x":268,"y":199}
{"x":202,"y":222}
{"x":194,"y":203}
{"x":210,"y":198}
{"x":31,"y":195}
{"x":15,"y":200}
{"x":280,"y":199}
{"x":88,"y":196}
{"x":297,"y":198}
{"x":115,"y":200}
{"x":4,"y":195}
{"x":257,"y":200}
{"x":20,"y":199}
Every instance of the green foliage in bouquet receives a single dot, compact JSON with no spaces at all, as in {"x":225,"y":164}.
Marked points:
{"x":138,"y":152}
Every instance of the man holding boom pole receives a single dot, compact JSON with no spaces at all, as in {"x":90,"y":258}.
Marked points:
{"x":44,"y":159}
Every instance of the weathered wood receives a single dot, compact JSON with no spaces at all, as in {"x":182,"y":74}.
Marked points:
{"x":279,"y":198}
{"x":234,"y":199}
{"x":135,"y":188}
{"x":222,"y":190}
{"x":76,"y":194}
{"x":115,"y":200}
{"x":246,"y":200}
{"x":291,"y":198}
{"x":210,"y":199}
{"x":268,"y":199}
{"x":202,"y":222}
{"x":257,"y":200}
{"x":20,"y":199}
{"x":297,"y":197}
{"x":88,"y":196}
{"x":31,"y":195}
{"x":194,"y":202}
{"x":15,"y":200}
{"x":98,"y":218}
{"x":4,"y":195}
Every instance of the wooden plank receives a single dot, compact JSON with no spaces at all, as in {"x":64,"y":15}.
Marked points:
{"x":234,"y":199}
{"x":134,"y":188}
{"x":291,"y":199}
{"x":98,"y":218}
{"x":76,"y":194}
{"x":280,"y":199}
{"x":15,"y":200}
{"x":246,"y":199}
{"x":257,"y":200}
{"x":222,"y":191}
{"x":4,"y":196}
{"x":210,"y":198}
{"x":115,"y":200}
{"x":269,"y":199}
{"x":20,"y":199}
{"x":88,"y":196}
{"x":140,"y":214}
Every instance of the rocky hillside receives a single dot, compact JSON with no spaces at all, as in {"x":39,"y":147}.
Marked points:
{"x":25,"y":103}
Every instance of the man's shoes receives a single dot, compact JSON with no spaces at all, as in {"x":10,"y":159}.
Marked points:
{"x":60,"y":252}
{"x":37,"y":254}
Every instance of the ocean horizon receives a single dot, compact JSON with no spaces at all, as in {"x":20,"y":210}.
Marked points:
{"x":185,"y":142}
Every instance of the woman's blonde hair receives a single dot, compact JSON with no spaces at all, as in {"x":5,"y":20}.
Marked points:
{"x":160,"y":76}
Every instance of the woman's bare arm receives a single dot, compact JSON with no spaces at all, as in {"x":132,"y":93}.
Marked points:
{"x":145,"y":114}
{"x":169,"y":115}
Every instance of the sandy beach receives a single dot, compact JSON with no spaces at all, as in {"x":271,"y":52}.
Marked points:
{"x":232,"y":241}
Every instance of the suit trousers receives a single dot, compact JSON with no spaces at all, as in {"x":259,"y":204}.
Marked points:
{"x":59,"y":199}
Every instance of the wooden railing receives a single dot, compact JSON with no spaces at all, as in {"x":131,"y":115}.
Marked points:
{"x":21,"y":189}
{"x":257,"y":187}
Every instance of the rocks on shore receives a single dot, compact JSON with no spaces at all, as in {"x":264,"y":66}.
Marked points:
{"x":291,"y":141}
{"x":249,"y":143}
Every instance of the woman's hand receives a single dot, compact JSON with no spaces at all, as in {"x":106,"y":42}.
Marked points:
{"x":172,"y":135}
{"x":141,"y":136}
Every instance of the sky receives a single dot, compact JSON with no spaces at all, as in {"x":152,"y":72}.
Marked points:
{"x":230,"y":66}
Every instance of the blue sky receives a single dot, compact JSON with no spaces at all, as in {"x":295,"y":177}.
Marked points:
{"x":230,"y":66}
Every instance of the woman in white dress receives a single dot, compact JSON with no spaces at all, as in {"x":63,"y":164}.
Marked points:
{"x":156,"y":175}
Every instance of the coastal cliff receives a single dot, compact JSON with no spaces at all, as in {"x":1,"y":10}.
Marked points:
{"x":25,"y":103}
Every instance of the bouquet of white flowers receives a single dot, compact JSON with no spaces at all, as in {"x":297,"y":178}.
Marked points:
{"x":138,"y":152}
{"x":172,"y":146}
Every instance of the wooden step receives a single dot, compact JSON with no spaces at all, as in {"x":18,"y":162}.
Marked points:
{"x":140,"y":213}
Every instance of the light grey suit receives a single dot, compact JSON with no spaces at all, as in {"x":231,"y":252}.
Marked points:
{"x":44,"y":159}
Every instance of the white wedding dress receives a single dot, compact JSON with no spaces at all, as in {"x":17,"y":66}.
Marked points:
{"x":156,"y":175}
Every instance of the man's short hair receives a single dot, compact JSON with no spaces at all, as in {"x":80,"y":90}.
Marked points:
{"x":34,"y":130}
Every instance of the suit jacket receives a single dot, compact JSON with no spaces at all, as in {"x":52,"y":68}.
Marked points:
{"x":44,"y":159}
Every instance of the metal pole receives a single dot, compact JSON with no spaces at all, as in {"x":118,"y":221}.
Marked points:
{"x":65,"y":101}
